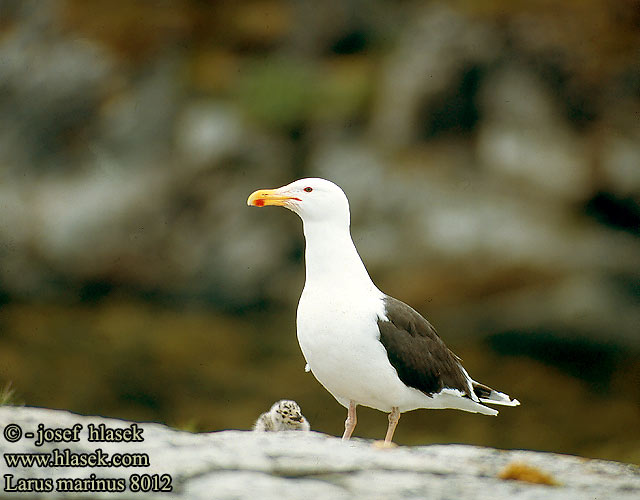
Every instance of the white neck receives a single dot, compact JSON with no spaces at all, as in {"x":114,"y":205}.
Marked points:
{"x":331,"y":258}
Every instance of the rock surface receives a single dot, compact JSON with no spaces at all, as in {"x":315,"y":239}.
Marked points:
{"x":238,"y":465}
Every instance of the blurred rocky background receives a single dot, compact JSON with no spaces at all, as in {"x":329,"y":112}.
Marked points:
{"x":490,"y":150}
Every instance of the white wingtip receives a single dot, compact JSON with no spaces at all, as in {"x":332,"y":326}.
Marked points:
{"x":500,"y":398}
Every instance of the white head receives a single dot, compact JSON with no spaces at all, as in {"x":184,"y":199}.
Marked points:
{"x":287,"y":415}
{"x":313,"y":199}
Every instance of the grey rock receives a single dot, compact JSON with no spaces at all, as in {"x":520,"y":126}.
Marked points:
{"x":50,"y":86}
{"x":620,"y":154}
{"x":292,"y":465}
{"x":432,"y":50}
{"x":525,"y":138}
{"x":207,"y":131}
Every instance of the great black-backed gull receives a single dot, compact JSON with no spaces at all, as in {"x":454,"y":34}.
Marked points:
{"x":285,"y":415}
{"x":365,"y":347}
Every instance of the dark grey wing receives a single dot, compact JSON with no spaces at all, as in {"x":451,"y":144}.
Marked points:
{"x":420,"y":357}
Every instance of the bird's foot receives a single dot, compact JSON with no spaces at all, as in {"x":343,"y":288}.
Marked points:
{"x":384,"y":445}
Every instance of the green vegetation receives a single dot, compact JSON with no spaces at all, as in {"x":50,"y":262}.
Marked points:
{"x":8,"y":396}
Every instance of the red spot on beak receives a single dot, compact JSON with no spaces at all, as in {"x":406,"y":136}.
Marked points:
{"x":259,"y":203}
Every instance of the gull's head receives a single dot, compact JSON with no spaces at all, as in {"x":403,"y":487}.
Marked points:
{"x":313,"y":199}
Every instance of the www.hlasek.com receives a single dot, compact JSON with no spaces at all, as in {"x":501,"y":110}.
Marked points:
{"x":66,"y":458}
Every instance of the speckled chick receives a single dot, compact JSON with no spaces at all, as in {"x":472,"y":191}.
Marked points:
{"x":285,"y":415}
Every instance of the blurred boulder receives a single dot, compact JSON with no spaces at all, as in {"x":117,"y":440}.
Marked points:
{"x":469,"y":176}
{"x":50,"y":88}
{"x":523,"y":136}
{"x":434,"y":49}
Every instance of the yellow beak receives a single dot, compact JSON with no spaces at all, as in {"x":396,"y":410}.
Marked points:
{"x":264,"y":197}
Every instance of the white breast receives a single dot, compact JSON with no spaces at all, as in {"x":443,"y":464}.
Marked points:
{"x":339,"y":337}
{"x":338,"y":323}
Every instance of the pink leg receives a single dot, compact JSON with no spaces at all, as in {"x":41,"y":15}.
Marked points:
{"x":350,"y":422}
{"x":394,"y":416}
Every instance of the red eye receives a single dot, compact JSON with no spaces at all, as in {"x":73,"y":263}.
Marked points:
{"x":308,"y":189}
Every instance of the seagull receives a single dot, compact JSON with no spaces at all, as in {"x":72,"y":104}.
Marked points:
{"x":285,"y":415}
{"x":365,"y":347}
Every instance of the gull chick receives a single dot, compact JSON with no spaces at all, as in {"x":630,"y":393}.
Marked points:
{"x":285,"y":415}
